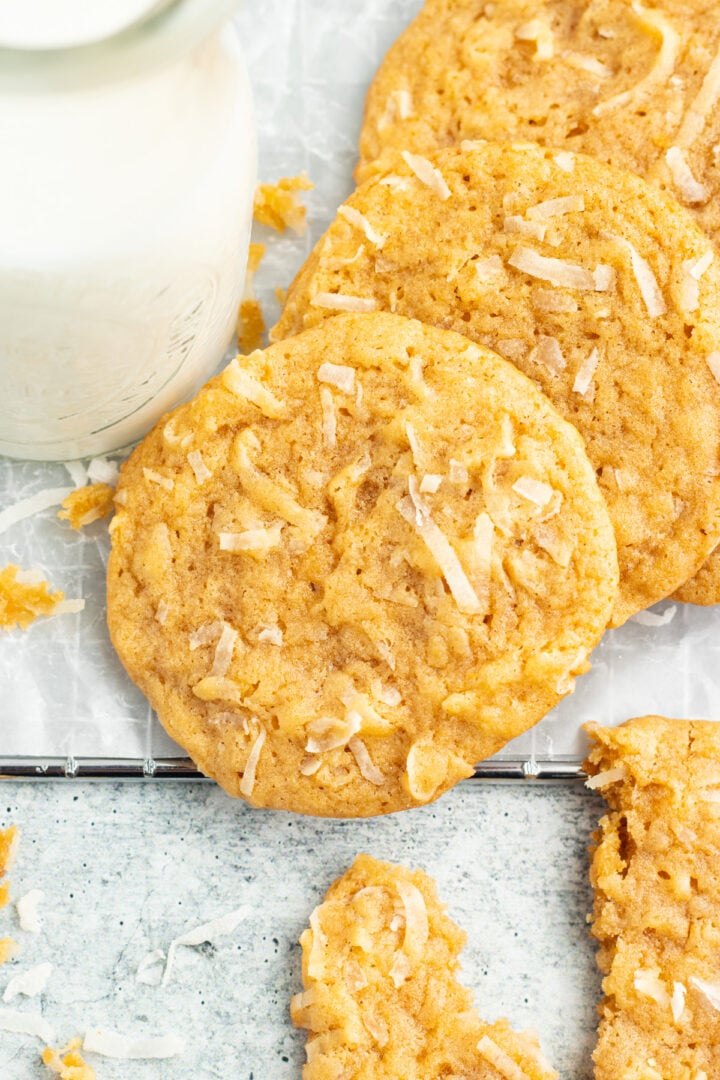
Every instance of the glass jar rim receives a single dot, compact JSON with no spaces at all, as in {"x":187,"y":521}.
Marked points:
{"x":161,"y":34}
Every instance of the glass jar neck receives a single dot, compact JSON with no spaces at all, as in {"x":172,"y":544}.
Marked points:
{"x":164,"y":32}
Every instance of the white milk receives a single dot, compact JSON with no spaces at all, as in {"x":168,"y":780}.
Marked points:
{"x":125,"y":212}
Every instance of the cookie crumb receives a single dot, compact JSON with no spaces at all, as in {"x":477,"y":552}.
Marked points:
{"x":24,"y":597}
{"x":278,"y":205}
{"x":87,"y":504}
{"x":68,"y":1063}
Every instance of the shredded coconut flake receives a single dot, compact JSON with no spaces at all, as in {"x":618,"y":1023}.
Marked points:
{"x":341,"y":376}
{"x":548,"y":353}
{"x":224,"y":651}
{"x":647,"y":982}
{"x":261,"y":539}
{"x":711,"y":990}
{"x":77,"y":473}
{"x":271,"y":634}
{"x":316,"y":959}
{"x":565,"y":160}
{"x":604,"y":277}
{"x":34,"y":504}
{"x":150,"y":968}
{"x":132,"y":1047}
{"x":655,"y":21}
{"x":244,"y":385}
{"x":500,"y":1060}
{"x":364,"y":762}
{"x":591,"y":64}
{"x":565,"y":204}
{"x":361,"y":222}
{"x":25,"y":1023}
{"x":514,"y":223}
{"x":457,"y":473}
{"x":539,"y":33}
{"x":430,"y":483}
{"x":490,"y":269}
{"x":556,"y":271}
{"x":248,"y":780}
{"x":27,"y":909}
{"x":329,"y":417}
{"x":713,"y":362}
{"x":205,"y":634}
{"x":677,"y":1001}
{"x":535,"y":491}
{"x":585,"y":373}
{"x":400,"y":969}
{"x":310,"y":765}
{"x":209,"y":932}
{"x":102,"y":471}
{"x":395,"y":182}
{"x":329,"y":733}
{"x":198,"y":466}
{"x":340,"y":302}
{"x":415,"y":447}
{"x":653,"y":618}
{"x":155,"y":477}
{"x":603,"y":779}
{"x":427,"y":174}
{"x":30,"y":983}
{"x":445,"y":556}
{"x":416,"y":919}
{"x":690,"y":190}
{"x":696,"y":117}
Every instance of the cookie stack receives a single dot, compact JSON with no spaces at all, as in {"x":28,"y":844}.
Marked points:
{"x":364,"y":559}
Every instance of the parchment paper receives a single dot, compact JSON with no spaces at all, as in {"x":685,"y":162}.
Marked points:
{"x":62,"y":689}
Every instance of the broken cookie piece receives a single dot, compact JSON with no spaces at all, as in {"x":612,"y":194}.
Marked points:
{"x":381,"y":998}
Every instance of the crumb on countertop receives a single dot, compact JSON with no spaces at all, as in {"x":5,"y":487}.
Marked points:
{"x":23,"y":597}
{"x":251,"y":324}
{"x":8,"y":848}
{"x":87,"y":504}
{"x":278,"y":205}
{"x":68,"y":1063}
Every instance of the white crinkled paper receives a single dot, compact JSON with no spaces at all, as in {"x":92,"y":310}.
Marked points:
{"x":62,"y":690}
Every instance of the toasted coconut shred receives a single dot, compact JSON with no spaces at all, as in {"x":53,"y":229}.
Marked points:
{"x":27,"y":911}
{"x":549,"y":208}
{"x":198,"y":466}
{"x":584,"y":377}
{"x":695,"y":118}
{"x":26,"y":1023}
{"x":132,"y":1047}
{"x":654,"y":22}
{"x":652,"y":618}
{"x":341,"y":376}
{"x":34,"y":504}
{"x":29,"y":983}
{"x":329,"y":417}
{"x":224,"y":651}
{"x":691,"y":191}
{"x":331,"y":733}
{"x":499,"y":1060}
{"x":361,"y":222}
{"x":556,"y":271}
{"x":244,"y":385}
{"x":535,"y":491}
{"x":585,"y":62}
{"x":539,"y":33}
{"x":208,"y":932}
{"x":646,"y":280}
{"x":340,"y":302}
{"x":605,"y":778}
{"x":247,"y":784}
{"x":368,"y":770}
{"x":260,"y":540}
{"x":154,"y":477}
{"x":713,"y":362}
{"x":677,"y":1000}
{"x":692,"y":271}
{"x":514,"y":223}
{"x":427,"y":174}
{"x":316,"y":959}
{"x":648,"y":983}
{"x":416,"y":919}
{"x":548,"y":353}
{"x":710,"y":990}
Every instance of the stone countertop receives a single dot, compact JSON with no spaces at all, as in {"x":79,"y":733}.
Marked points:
{"x":127,"y":867}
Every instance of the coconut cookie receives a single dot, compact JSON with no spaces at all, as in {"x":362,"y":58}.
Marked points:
{"x":657,"y":899}
{"x":634,"y":84}
{"x":381,"y":998}
{"x":356,"y":564}
{"x":704,"y":587}
{"x":597,"y":286}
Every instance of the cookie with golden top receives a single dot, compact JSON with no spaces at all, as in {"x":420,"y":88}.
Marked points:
{"x":596,"y":285}
{"x":356,"y":564}
{"x":657,"y":898}
{"x":382,"y":998}
{"x":634,"y":84}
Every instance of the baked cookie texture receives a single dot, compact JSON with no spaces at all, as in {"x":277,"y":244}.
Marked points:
{"x":634,"y":84}
{"x":381,"y":997}
{"x":596,"y":285}
{"x":657,"y":899}
{"x":356,"y":564}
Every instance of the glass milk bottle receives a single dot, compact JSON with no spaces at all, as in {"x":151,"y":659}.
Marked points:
{"x":127,"y":172}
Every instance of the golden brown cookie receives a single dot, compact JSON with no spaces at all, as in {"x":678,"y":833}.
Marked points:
{"x":596,"y":285}
{"x":634,"y":84}
{"x":357,"y":563}
{"x":656,"y":877}
{"x":704,"y":587}
{"x":381,"y":998}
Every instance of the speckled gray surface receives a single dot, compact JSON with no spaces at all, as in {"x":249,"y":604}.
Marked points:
{"x":127,"y":867}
